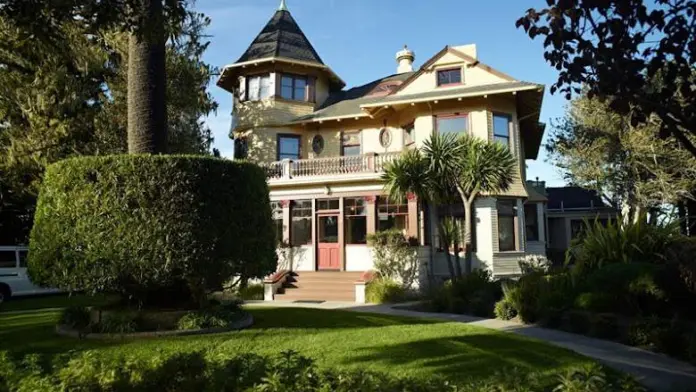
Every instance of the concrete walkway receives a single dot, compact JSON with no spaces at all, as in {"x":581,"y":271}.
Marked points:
{"x":656,"y":371}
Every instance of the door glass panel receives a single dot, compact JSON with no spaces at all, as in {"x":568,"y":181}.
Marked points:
{"x":8,"y":259}
{"x":328,"y":229}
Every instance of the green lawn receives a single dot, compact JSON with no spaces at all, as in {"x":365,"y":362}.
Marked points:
{"x":334,"y":338}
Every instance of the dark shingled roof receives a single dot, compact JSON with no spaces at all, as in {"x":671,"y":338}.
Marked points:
{"x":573,"y":197}
{"x":281,"y":37}
{"x":347,"y":103}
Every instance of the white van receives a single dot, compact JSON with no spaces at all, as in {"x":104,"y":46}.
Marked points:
{"x":14,"y":281}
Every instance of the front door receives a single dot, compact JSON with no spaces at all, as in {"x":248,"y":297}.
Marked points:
{"x":328,"y":251}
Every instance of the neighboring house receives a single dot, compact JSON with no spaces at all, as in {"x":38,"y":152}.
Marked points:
{"x":324,"y":148}
{"x":567,"y":210}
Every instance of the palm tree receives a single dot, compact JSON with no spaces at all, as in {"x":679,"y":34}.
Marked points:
{"x":147,"y":111}
{"x":447,"y":168}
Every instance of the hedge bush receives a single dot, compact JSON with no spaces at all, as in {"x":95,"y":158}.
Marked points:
{"x":289,"y":371}
{"x":382,"y":291}
{"x":475,"y":294}
{"x":138,"y":224}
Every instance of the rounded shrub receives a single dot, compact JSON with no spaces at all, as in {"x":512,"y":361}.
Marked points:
{"x":504,"y":310}
{"x":136,"y":224}
{"x":76,"y":317}
{"x":384,"y":291}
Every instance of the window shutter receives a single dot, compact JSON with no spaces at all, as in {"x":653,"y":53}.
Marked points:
{"x":278,"y":77}
{"x":311,"y":89}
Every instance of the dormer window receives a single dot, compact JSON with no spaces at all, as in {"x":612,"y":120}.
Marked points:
{"x":293,"y":87}
{"x":449,"y":77}
{"x":258,"y":87}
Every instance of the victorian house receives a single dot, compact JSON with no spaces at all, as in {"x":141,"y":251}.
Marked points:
{"x":324,"y":147}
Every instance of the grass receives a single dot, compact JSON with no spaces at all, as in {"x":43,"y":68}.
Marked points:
{"x":400,"y":346}
{"x":54,"y":301}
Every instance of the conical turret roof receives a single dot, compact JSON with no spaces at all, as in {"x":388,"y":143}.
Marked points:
{"x":281,"y":37}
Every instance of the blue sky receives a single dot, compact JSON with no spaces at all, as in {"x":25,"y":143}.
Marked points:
{"x":359,"y":38}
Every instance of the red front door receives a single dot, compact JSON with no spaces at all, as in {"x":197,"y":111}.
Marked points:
{"x":328,"y":249}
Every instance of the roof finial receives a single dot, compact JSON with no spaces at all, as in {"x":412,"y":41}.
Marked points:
{"x":283,"y":6}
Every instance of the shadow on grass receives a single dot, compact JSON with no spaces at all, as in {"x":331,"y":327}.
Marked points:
{"x":34,"y":332}
{"x":306,"y":318}
{"x":470,"y":358}
{"x":55,"y":301}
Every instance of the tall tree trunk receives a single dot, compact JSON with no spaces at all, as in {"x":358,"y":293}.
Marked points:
{"x":467,"y":236}
{"x":448,"y":256}
{"x":457,"y":263}
{"x":147,"y":110}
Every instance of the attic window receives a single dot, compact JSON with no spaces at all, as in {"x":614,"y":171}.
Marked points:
{"x":449,"y":77}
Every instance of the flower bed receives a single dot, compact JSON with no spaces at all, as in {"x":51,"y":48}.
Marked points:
{"x":246,"y":320}
{"x":96,"y":323}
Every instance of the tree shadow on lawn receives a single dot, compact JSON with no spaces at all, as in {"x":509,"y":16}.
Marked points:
{"x":306,"y":318}
{"x":35,"y":332}
{"x":470,"y":358}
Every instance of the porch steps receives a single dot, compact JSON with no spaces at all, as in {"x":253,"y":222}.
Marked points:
{"x":320,"y":286}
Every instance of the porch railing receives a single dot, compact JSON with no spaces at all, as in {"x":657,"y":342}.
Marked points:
{"x":366,"y":163}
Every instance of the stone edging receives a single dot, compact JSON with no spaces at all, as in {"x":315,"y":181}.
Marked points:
{"x":246,"y":322}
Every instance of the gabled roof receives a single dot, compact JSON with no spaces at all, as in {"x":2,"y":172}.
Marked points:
{"x":347,"y":103}
{"x":448,"y":49}
{"x":457,"y":92}
{"x":281,"y":37}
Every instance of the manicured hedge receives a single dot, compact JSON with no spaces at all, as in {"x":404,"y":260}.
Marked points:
{"x":140,"y":225}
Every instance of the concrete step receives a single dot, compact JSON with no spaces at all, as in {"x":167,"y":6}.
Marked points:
{"x":319,"y":287}
{"x":315,"y":296}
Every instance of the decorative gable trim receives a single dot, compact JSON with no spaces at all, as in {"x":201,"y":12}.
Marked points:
{"x":465,"y":57}
{"x":475,"y":63}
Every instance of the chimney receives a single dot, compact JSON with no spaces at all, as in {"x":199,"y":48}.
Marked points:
{"x":405,"y":59}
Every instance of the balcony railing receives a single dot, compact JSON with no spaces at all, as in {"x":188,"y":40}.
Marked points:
{"x":367,"y":163}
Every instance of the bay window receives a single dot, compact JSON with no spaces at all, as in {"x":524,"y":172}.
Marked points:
{"x":392,"y":215}
{"x":455,"y":124}
{"x":507,"y":221}
{"x":258,"y":87}
{"x":355,"y":218}
{"x":531,"y":222}
{"x":501,"y":129}
{"x":301,"y":228}
{"x":277,"y":216}
{"x":293,"y":87}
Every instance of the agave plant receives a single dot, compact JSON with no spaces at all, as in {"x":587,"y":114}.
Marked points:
{"x":638,"y":241}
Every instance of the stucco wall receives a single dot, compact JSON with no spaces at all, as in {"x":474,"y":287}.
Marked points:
{"x":358,"y":258}
{"x":299,"y":258}
{"x":263,"y":143}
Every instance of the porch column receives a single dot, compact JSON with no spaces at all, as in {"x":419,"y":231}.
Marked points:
{"x":341,"y":234}
{"x":413,"y":226}
{"x":287,"y":220}
{"x":371,"y":207}
{"x":315,"y":253}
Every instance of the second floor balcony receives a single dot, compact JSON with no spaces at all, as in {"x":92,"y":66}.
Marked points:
{"x":335,"y":169}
